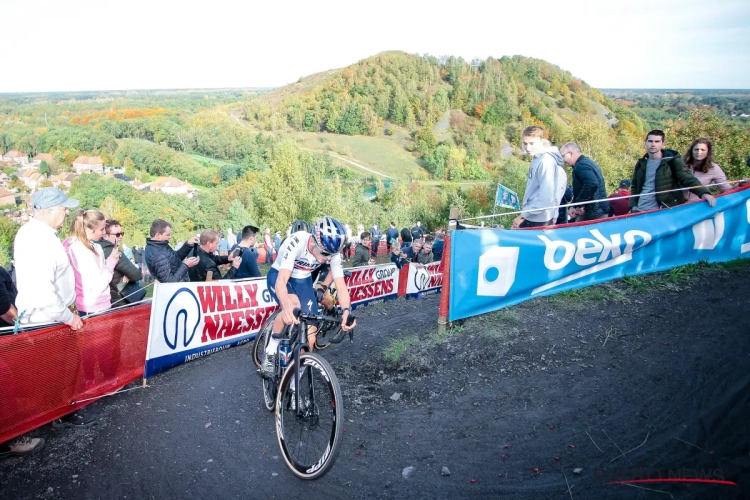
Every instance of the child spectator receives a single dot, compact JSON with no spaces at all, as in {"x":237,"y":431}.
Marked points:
{"x":397,"y":256}
{"x":621,"y":206}
{"x":92,"y":271}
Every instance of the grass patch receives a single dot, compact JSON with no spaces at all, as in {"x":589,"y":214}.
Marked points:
{"x":397,"y":348}
{"x":209,"y":160}
{"x":384,"y":155}
{"x":735,"y":265}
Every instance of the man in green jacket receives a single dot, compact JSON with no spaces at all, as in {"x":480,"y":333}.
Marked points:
{"x":662,"y":170}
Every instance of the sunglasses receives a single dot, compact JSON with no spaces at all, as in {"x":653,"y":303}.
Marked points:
{"x":119,"y":235}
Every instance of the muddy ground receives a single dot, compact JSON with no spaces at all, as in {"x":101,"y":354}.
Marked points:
{"x":625,"y":381}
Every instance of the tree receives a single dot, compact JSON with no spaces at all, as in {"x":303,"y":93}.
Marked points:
{"x":44,"y":169}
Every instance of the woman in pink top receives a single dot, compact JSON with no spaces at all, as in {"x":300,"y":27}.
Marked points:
{"x":92,"y":272}
{"x":699,"y":157}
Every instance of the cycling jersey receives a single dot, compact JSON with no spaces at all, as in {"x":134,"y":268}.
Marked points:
{"x":295,"y":256}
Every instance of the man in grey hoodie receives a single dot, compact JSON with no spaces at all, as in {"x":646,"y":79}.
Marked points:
{"x":545,"y":183}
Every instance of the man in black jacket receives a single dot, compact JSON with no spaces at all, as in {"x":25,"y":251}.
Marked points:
{"x":417,"y":232}
{"x":165,"y":264}
{"x":124,"y":268}
{"x":208,"y":262}
{"x":588,"y":184}
{"x":391,"y":234}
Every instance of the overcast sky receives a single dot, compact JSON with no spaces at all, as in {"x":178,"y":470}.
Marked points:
{"x":54,"y":45}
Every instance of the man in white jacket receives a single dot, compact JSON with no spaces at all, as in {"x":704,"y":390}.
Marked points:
{"x":45,"y":280}
{"x":545,"y":183}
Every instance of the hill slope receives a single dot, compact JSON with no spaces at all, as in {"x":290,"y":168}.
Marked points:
{"x":475,"y":108}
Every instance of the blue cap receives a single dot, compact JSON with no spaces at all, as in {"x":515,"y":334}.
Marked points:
{"x":51,"y":197}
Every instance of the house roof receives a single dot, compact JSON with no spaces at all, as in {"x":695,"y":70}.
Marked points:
{"x":162,"y":182}
{"x":69,"y":177}
{"x":89,"y":160}
{"x":15,"y":154}
{"x":44,"y":157}
{"x":4,"y":192}
{"x":28,"y":173}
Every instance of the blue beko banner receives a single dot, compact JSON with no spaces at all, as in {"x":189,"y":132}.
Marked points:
{"x":491,"y":269}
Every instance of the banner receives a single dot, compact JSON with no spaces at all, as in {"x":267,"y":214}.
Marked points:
{"x":48,"y":372}
{"x":192,"y":320}
{"x":491,"y":269}
{"x":506,"y":198}
{"x":424,"y":279}
{"x":370,"y":284}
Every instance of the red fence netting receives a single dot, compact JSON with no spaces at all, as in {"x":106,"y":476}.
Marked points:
{"x":47,"y":373}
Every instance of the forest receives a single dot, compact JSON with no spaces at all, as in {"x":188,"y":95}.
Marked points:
{"x":457,"y":122}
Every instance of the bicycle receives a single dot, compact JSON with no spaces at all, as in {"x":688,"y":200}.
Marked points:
{"x":306,"y":397}
{"x":324,"y":327}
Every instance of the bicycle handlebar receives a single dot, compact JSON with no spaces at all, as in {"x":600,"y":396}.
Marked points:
{"x":320,"y":317}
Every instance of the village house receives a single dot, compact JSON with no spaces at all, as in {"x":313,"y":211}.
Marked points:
{"x":63,"y":180}
{"x":37,"y":161}
{"x":84,"y":164}
{"x":169,"y":185}
{"x":4,"y":179}
{"x":7,"y":198}
{"x":31,"y":178}
{"x":16,"y":157}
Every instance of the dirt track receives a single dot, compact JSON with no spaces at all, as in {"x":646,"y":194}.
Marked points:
{"x":610,"y":381}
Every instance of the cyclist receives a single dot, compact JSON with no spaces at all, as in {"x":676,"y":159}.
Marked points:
{"x":290,"y":282}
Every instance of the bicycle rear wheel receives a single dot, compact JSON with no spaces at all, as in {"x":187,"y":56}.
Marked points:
{"x":261,"y":340}
{"x":310,"y":438}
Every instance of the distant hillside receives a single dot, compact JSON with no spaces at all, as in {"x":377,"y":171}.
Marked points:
{"x":477,"y":108}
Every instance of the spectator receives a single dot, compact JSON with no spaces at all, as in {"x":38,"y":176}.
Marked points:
{"x":222,"y":245}
{"x":562,"y":213}
{"x":405,"y":238}
{"x":545,"y":183}
{"x":662,"y":170}
{"x":362,"y":254}
{"x":165,"y":264}
{"x":8,"y":292}
{"x":8,"y":315}
{"x":268,"y":245}
{"x":376,"y":235}
{"x":620,"y":206}
{"x":437,"y":247}
{"x":93,"y":273}
{"x":208,"y":261}
{"x":137,"y":257}
{"x":588,"y":184}
{"x":425,"y":255}
{"x":46,"y":283}
{"x":397,"y":256}
{"x":347,"y":254}
{"x":417,"y":232}
{"x":124,"y":270}
{"x":699,"y":157}
{"x":276,"y":239}
{"x":413,"y":251}
{"x":247,"y":259}
{"x":391,"y":234}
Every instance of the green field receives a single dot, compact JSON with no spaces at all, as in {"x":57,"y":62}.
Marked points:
{"x":209,"y":160}
{"x":384,"y":155}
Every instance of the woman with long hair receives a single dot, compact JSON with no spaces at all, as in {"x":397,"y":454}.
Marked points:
{"x":699,"y":157}
{"x":92,"y":271}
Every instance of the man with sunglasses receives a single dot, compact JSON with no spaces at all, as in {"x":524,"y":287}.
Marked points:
{"x":290,"y":281}
{"x":112,"y":239}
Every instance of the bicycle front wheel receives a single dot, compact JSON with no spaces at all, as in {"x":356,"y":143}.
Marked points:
{"x":261,"y":340}
{"x":310,"y":438}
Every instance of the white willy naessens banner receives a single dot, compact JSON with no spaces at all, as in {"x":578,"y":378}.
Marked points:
{"x":424,"y":279}
{"x":368,"y":284}
{"x":192,"y":320}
